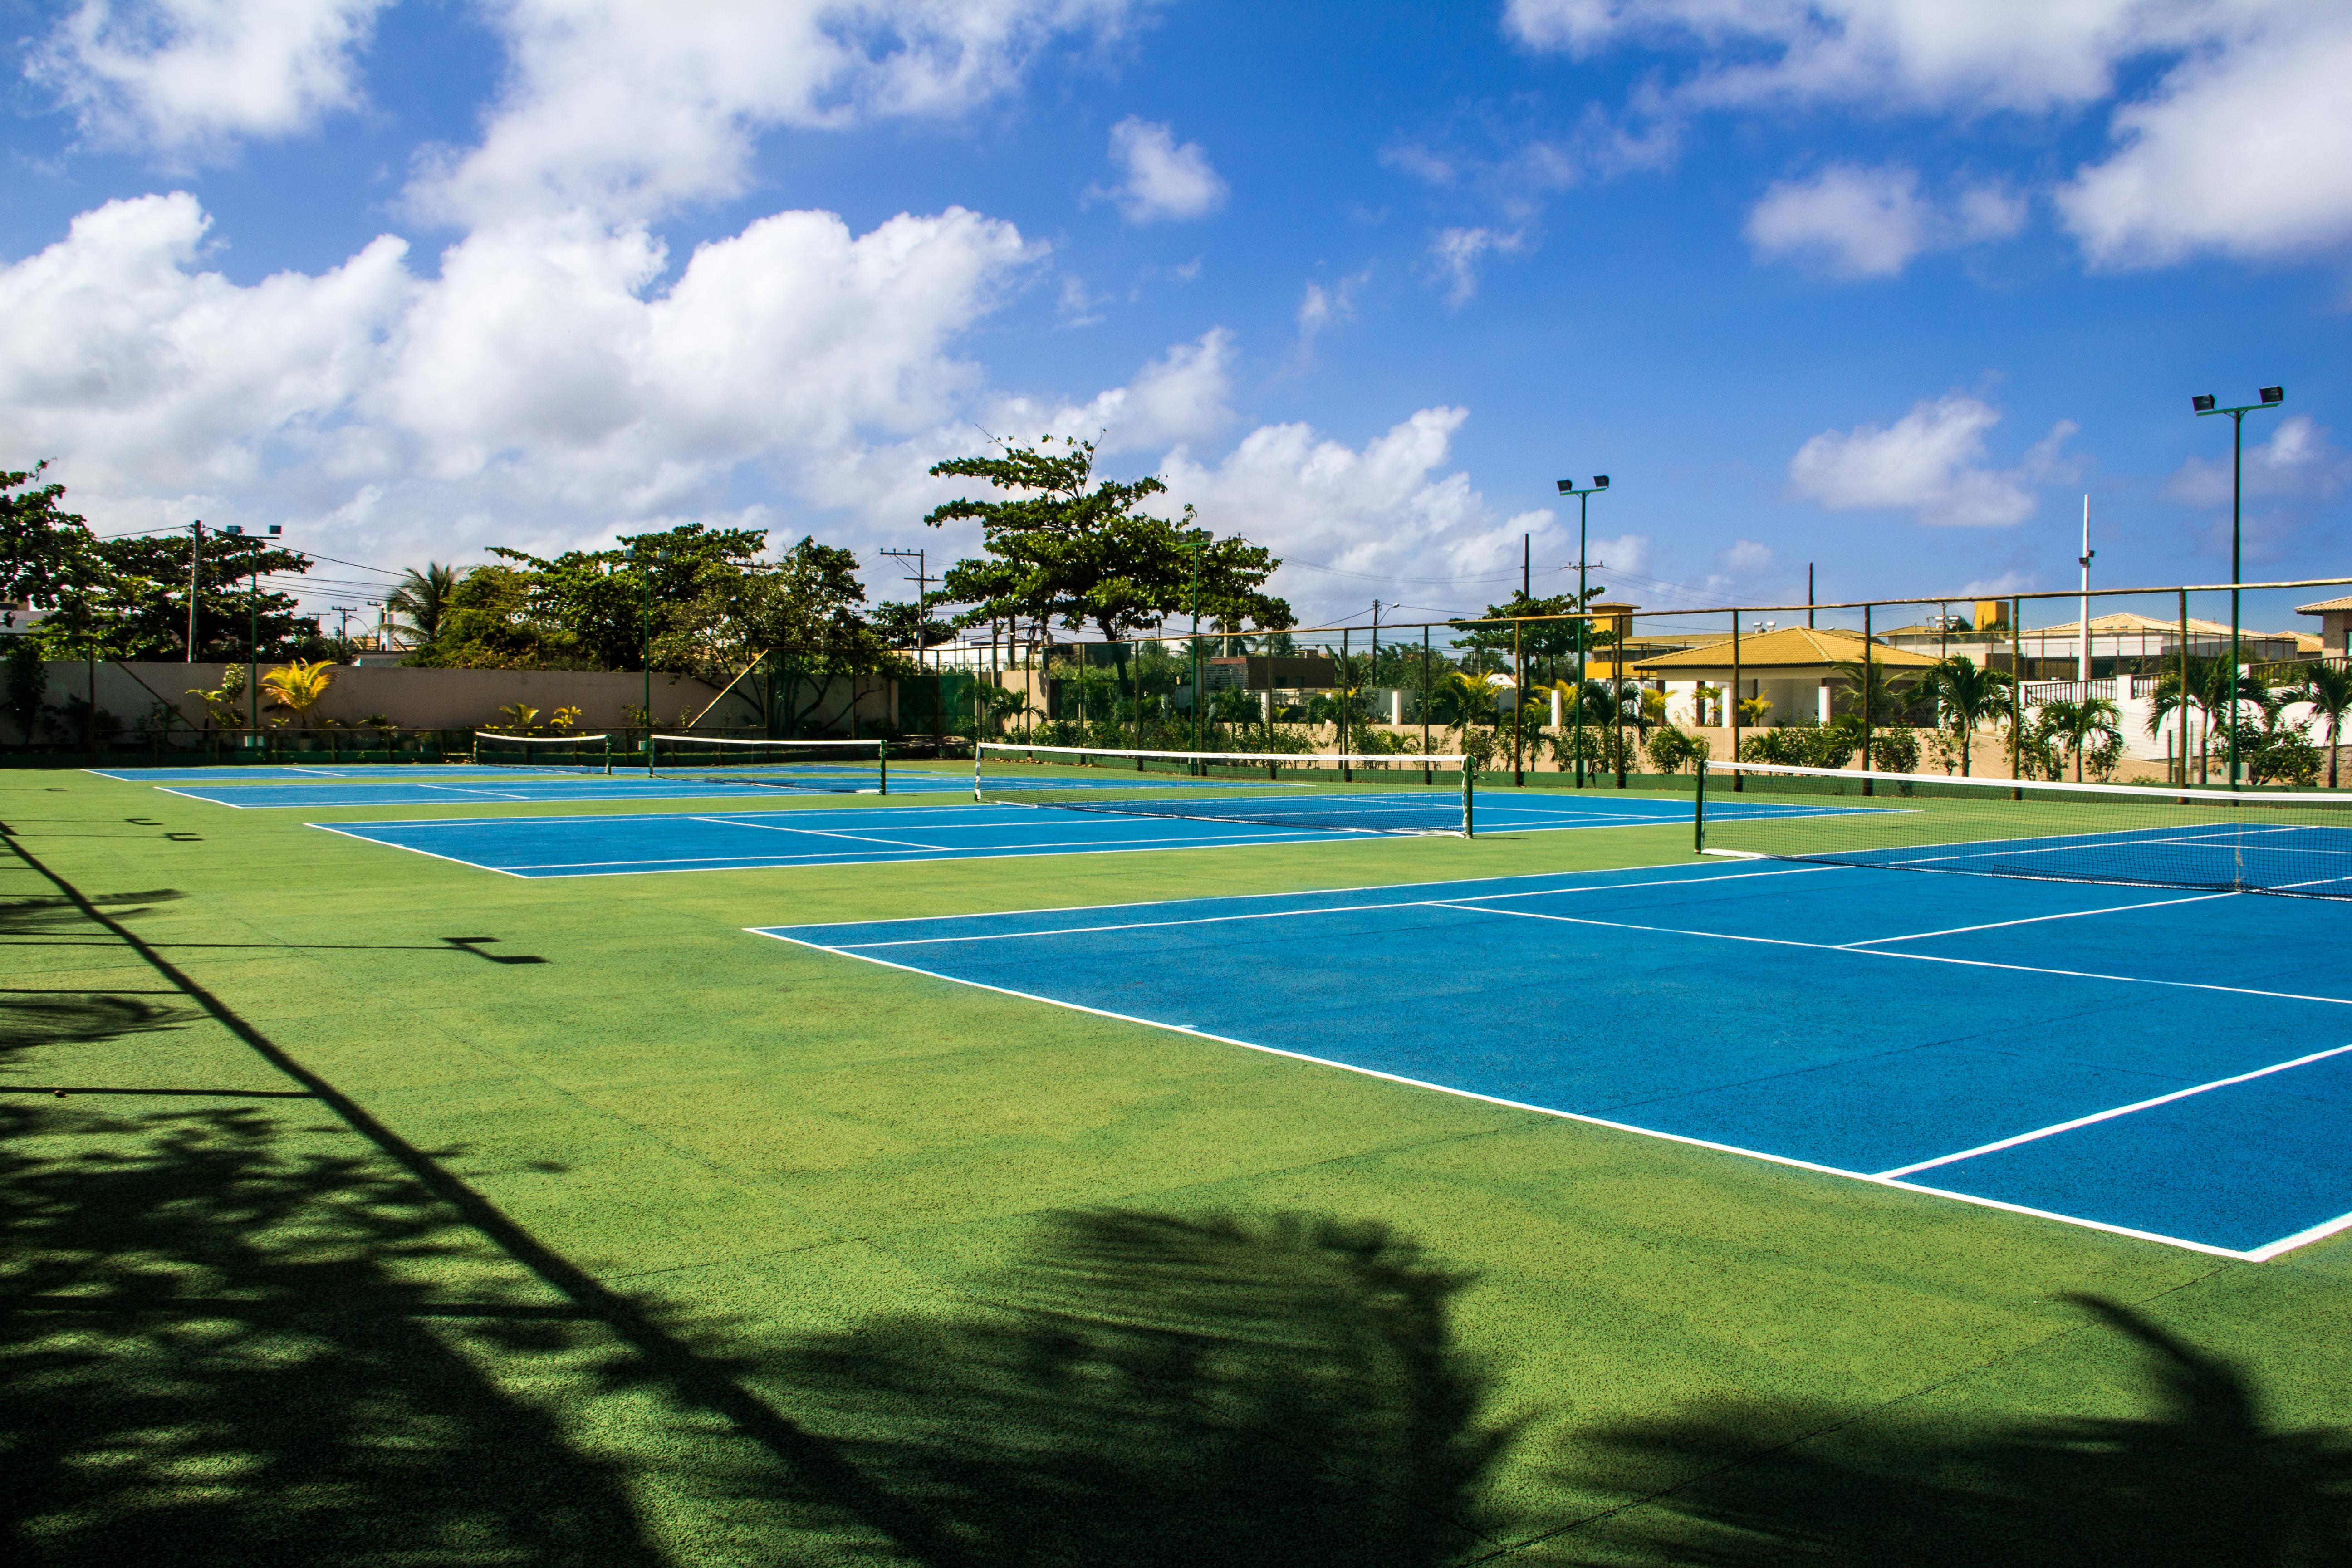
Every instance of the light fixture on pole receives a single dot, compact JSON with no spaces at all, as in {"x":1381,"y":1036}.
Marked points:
{"x":2272,"y":396}
{"x":1582,"y":495}
{"x":2083,"y":657}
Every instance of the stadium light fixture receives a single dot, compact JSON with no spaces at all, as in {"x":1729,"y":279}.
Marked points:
{"x":1583,"y":495}
{"x":2272,"y":396}
{"x":2203,"y":402}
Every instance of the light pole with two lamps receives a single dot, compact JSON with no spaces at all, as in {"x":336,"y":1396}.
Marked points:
{"x":1583,"y":498}
{"x":2272,"y":396}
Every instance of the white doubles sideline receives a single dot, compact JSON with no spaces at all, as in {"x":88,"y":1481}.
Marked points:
{"x":1867,"y":947}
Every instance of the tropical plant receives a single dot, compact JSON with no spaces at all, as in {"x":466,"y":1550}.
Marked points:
{"x":1672,"y":750}
{"x":2273,"y":751}
{"x":223,"y":705}
{"x":2328,"y":689}
{"x":298,"y":686}
{"x":1966,"y":697}
{"x":422,"y":601}
{"x":517,"y":719}
{"x":2215,"y":691}
{"x":564,"y":721}
{"x":1895,"y":751}
{"x":1755,"y":712}
{"x":2073,"y":723}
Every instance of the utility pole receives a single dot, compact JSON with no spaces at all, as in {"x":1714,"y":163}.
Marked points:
{"x":343,"y":629}
{"x":195,"y":551}
{"x":2272,"y":396}
{"x":922,"y":580}
{"x":253,"y":636}
{"x":1809,"y":594}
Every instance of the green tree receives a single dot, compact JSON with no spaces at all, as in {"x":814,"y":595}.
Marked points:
{"x":1068,"y":546}
{"x":42,"y":545}
{"x":2328,"y":689}
{"x":598,"y":598}
{"x":2074,"y":723}
{"x":2216,"y":691}
{"x":488,"y":624}
{"x":28,"y":685}
{"x":421,"y":602}
{"x":806,"y":612}
{"x":1966,"y":698}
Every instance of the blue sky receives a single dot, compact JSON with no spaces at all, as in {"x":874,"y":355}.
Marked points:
{"x":1886,"y":285}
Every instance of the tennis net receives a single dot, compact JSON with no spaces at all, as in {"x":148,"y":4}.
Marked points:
{"x":832,"y":767}
{"x":2295,"y":843}
{"x":1403,"y":793}
{"x":552,"y":753}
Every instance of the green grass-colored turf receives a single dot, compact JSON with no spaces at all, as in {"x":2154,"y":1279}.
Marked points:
{"x":355,"y":1242}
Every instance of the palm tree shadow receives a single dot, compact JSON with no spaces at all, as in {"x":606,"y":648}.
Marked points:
{"x":82,"y":1017}
{"x":1146,"y":1389}
{"x":2201,"y":1479}
{"x":221,"y":1346}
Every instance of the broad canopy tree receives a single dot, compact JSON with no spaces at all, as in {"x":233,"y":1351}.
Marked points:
{"x":1065,"y":546}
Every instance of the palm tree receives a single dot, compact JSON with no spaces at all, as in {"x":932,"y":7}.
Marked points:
{"x":422,"y":600}
{"x":2073,"y":723}
{"x":1966,"y":697}
{"x":297,"y":687}
{"x":2328,"y":689}
{"x":2208,"y":695}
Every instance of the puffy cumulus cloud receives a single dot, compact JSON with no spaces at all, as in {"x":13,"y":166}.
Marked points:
{"x":190,"y":75}
{"x":1177,"y":398}
{"x":2244,"y":151}
{"x":1929,"y":463}
{"x":1856,"y":222}
{"x":1988,"y":54}
{"x":1744,"y":558}
{"x":1359,"y":523}
{"x":1456,"y":258}
{"x":626,"y":109}
{"x":1158,"y":179}
{"x":2240,"y":144}
{"x":153,"y":377}
{"x":538,"y":391}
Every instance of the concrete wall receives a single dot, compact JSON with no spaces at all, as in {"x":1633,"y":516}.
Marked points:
{"x":444,"y":699}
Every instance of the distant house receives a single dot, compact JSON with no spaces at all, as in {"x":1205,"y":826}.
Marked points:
{"x":1794,"y":668}
{"x":18,"y":618}
{"x":2334,"y":625}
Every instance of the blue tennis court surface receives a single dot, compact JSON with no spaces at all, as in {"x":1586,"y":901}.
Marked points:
{"x":482,"y":784}
{"x":745,"y":840}
{"x":2168,"y":1065}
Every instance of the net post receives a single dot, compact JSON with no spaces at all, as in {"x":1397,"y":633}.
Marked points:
{"x":1738,"y":780}
{"x":1469,"y":818}
{"x":474,"y":751}
{"x":882,"y":765}
{"x":2016,"y":693}
{"x":1699,"y":812}
{"x":979,"y":750}
{"x":1866,"y":715}
{"x":608,"y":755}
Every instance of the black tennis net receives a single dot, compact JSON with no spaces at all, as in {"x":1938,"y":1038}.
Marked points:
{"x":831,"y":767}
{"x":2261,"y":841}
{"x":550,"y":753}
{"x":1392,"y":793}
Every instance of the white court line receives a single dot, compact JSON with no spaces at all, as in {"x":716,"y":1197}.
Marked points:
{"x":1711,"y":875}
{"x":812,"y":832}
{"x":2032,"y":919}
{"x":1263,"y":915}
{"x":1920,"y":957}
{"x":452,"y":859}
{"x":2272,"y":1250}
{"x":2097,"y":1116}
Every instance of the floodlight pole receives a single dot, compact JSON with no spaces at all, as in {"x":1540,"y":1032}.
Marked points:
{"x":1568,"y":487}
{"x":196,"y":552}
{"x":2272,"y":396}
{"x":1194,"y":546}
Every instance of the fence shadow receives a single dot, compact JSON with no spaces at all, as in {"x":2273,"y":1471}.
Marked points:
{"x":2199,"y":1480}
{"x":1147,"y":1389}
{"x":217,"y":1346}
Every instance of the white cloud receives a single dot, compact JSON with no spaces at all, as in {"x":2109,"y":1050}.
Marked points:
{"x":1928,"y":463}
{"x":626,"y":109}
{"x":1161,"y":180}
{"x":1178,"y":397}
{"x":1744,"y":558}
{"x":2241,"y":145}
{"x":2298,"y":463}
{"x":1324,"y":308}
{"x":1858,"y":222}
{"x":2242,"y":151}
{"x":1455,"y":254}
{"x":188,"y":77}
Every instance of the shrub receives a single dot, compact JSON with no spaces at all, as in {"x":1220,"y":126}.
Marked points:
{"x":1672,"y":750}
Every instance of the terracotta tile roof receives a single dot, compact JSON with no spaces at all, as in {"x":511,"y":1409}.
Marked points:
{"x":1790,"y":647}
{"x":2323,"y":605}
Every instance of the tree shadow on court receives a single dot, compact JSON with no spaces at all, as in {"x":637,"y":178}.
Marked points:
{"x":220,"y":1342}
{"x":49,"y":914}
{"x":82,"y":1017}
{"x":2198,"y":1480}
{"x":1144,"y":1389}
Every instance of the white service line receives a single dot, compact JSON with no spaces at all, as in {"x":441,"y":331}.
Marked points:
{"x":2033,"y":919}
{"x":2097,"y":1116}
{"x":2269,"y":1250}
{"x":1921,"y":957}
{"x":816,"y":833}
